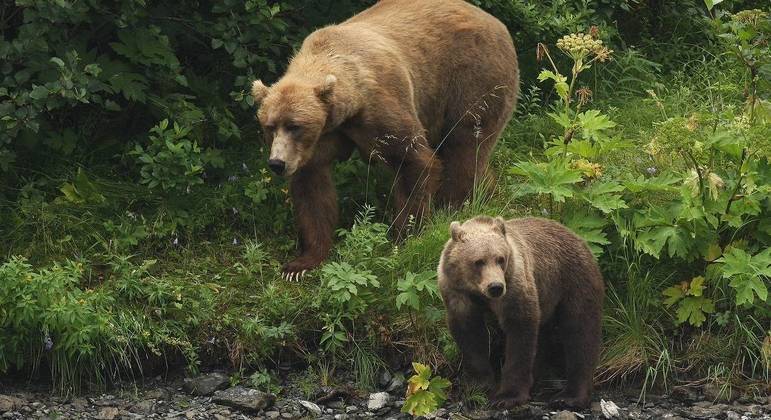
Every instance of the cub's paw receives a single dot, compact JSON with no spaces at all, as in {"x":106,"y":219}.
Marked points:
{"x":297,"y":268}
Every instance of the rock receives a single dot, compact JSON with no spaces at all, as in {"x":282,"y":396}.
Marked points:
{"x":205,"y":385}
{"x":351,"y":409}
{"x":564,"y":415}
{"x":684,"y":393}
{"x":143,"y":407}
{"x":384,"y":379}
{"x":397,"y":383}
{"x":272,"y":414}
{"x":475,"y":415}
{"x":158,"y":394}
{"x":107,"y":413}
{"x":311,"y":407}
{"x":245,"y":399}
{"x":609,"y":409}
{"x":527,"y":411}
{"x":716,"y":393}
{"x":336,"y":404}
{"x":378,"y":400}
{"x":10,"y":403}
{"x":732,"y":415}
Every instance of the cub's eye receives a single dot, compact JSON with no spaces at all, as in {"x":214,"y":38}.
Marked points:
{"x":479,"y":263}
{"x":269,"y":128}
{"x":293,"y":128}
{"x":500,"y":261}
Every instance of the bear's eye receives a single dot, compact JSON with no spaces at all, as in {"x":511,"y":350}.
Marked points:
{"x":292,"y":128}
{"x":479,"y":263}
{"x":500,"y":261}
{"x":269,"y":128}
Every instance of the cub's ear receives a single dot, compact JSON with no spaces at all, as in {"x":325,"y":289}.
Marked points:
{"x":457,"y":232}
{"x":500,"y":225}
{"x":324,"y":90}
{"x":259,"y":91}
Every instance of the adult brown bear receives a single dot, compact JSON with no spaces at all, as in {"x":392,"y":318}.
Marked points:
{"x":424,"y":86}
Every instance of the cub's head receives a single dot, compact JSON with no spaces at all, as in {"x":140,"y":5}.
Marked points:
{"x":477,"y":256}
{"x":292,"y":113}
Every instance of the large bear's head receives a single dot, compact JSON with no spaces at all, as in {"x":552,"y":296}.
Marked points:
{"x":293,"y":113}
{"x":478,"y":256}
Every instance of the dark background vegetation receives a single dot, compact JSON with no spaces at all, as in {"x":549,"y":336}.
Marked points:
{"x":140,"y":227}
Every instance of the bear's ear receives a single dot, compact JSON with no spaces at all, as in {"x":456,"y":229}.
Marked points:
{"x":457,"y":232}
{"x":259,"y":91}
{"x":324,"y":90}
{"x":500,"y":225}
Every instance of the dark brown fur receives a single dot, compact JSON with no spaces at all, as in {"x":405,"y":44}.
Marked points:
{"x":549,"y":276}
{"x":424,"y":86}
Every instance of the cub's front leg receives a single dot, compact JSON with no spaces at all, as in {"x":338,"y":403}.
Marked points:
{"x":465,"y":320}
{"x":517,"y":373}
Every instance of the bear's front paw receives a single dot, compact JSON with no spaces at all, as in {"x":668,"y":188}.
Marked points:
{"x":506,"y":402}
{"x":297,"y":268}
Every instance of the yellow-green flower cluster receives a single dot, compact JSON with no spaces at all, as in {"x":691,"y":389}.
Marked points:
{"x":751,"y":17}
{"x":579,"y":46}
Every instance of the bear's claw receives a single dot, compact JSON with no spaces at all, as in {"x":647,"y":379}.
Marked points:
{"x":293,"y":275}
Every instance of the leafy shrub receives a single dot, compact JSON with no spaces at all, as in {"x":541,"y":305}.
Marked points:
{"x":425,"y":393}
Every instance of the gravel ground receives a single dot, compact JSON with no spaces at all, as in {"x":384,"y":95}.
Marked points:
{"x":210,"y":396}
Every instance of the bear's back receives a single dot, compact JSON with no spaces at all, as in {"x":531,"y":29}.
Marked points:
{"x":562,"y":264}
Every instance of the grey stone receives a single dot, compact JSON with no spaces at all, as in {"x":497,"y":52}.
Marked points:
{"x":564,"y":415}
{"x":397,"y":383}
{"x":336,"y":404}
{"x":385,"y":378}
{"x":732,"y":415}
{"x":158,"y":394}
{"x":378,"y":400}
{"x":312,"y":408}
{"x":207,"y":384}
{"x":351,"y":409}
{"x":10,"y":403}
{"x":244,"y":399}
{"x":717,"y":393}
{"x":107,"y":413}
{"x":272,"y":414}
{"x":684,"y":393}
{"x":143,"y":407}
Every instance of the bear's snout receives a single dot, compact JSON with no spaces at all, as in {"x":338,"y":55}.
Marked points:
{"x":278,"y":166}
{"x":495,"y":290}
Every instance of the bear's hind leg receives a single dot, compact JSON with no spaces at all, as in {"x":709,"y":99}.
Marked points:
{"x":582,"y":337}
{"x":465,"y":153}
{"x":417,"y":179}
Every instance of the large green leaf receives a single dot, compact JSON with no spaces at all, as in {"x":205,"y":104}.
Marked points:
{"x":553,"y":178}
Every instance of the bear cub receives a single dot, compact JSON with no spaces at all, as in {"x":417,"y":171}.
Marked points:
{"x":530,"y":274}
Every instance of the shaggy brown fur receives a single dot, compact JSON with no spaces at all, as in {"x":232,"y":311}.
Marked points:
{"x":529,"y":273}
{"x":423,"y":86}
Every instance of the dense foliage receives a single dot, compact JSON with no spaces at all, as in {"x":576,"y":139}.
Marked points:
{"x":139,"y":222}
